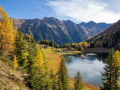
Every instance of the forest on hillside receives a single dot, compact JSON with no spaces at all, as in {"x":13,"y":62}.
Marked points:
{"x":109,"y":38}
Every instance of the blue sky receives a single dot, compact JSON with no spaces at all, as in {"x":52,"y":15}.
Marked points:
{"x":26,"y":9}
{"x":76,"y":10}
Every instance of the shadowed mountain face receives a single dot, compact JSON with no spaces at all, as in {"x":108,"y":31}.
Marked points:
{"x":94,"y":28}
{"x":55,"y":30}
{"x":108,"y":38}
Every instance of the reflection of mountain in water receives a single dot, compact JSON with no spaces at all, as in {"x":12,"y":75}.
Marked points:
{"x":70,"y":58}
{"x":90,"y":56}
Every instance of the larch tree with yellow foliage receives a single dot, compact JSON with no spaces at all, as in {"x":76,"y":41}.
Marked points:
{"x":116,"y":65}
{"x":41,"y":78}
{"x":15,"y":62}
{"x":39,"y":59}
{"x":6,"y":33}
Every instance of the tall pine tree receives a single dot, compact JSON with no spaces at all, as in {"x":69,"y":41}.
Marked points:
{"x":107,"y":76}
{"x":63,"y":76}
{"x":20,"y":48}
{"x":78,"y":79}
{"x":111,"y":75}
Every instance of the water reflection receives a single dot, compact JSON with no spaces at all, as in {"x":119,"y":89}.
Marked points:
{"x":90,"y":65}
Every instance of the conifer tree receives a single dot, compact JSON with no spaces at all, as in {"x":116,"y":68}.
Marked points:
{"x":30,"y":70}
{"x":39,"y":77}
{"x":78,"y":79}
{"x":116,"y":65}
{"x":108,"y":76}
{"x":20,"y":48}
{"x":60,"y":85}
{"x":39,"y":60}
{"x":52,"y":77}
{"x":63,"y":76}
{"x":15,"y":62}
{"x":6,"y":33}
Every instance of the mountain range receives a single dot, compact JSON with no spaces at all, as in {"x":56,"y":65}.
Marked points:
{"x":51,"y":28}
{"x":94,"y":28}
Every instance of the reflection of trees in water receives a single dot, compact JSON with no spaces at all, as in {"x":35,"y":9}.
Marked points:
{"x":69,"y":58}
{"x":77,"y":55}
{"x":100,"y":57}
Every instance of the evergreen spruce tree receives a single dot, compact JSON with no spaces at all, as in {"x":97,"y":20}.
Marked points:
{"x":78,"y":79}
{"x":30,"y":70}
{"x":20,"y":48}
{"x":63,"y":76}
{"x":108,"y":76}
{"x":60,"y":85}
{"x":39,"y":77}
{"x":52,"y":77}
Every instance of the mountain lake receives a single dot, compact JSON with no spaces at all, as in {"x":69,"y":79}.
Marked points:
{"x":90,"y":65}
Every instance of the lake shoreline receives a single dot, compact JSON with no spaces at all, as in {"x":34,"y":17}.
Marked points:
{"x":87,"y":86}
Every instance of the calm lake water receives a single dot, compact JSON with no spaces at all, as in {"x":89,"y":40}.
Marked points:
{"x":90,"y":66}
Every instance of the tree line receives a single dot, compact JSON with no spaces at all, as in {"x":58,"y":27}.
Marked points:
{"x":53,"y":44}
{"x":80,"y":46}
{"x":77,"y":46}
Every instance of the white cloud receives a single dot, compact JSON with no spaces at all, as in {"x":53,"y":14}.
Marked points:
{"x":84,"y":10}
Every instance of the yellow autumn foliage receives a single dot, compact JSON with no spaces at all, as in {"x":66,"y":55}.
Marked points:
{"x":39,"y":59}
{"x":117,"y":58}
{"x":15,"y":62}
{"x":6,"y":33}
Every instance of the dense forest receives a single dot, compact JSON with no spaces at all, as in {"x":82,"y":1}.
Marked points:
{"x":108,"y":38}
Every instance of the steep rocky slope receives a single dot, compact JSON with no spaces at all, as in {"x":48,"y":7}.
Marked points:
{"x":11,"y":79}
{"x":94,"y":28}
{"x":52,"y":29}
